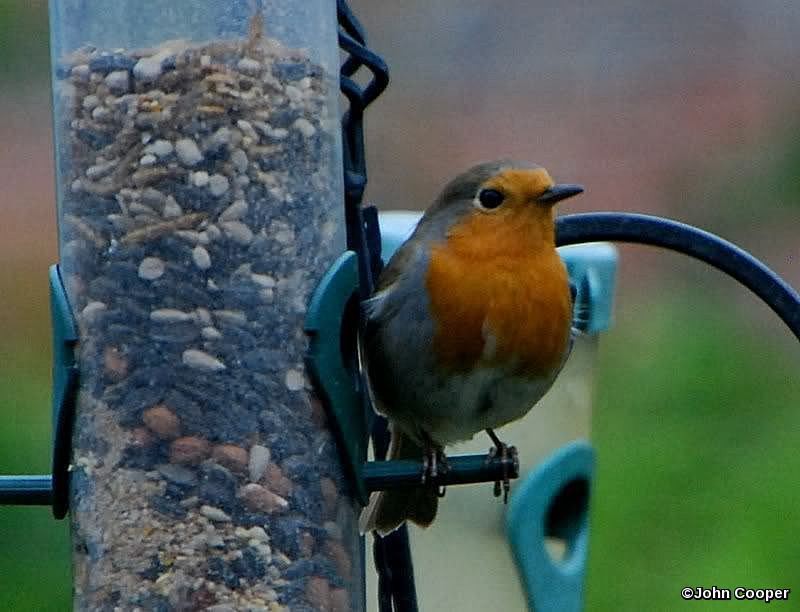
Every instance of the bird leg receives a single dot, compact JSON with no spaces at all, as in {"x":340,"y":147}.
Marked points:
{"x":434,"y":462}
{"x":504,"y":451}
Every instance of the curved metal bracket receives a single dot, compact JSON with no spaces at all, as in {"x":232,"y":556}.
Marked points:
{"x":65,"y":389}
{"x":47,"y":490}
{"x":689,"y":240}
{"x":325,"y":362}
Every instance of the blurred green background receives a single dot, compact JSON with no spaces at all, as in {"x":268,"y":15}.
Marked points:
{"x":678,"y":108}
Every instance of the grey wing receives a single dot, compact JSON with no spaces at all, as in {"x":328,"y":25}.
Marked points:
{"x":397,"y":332}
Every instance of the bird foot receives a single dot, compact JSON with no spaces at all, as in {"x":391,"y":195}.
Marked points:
{"x":434,"y":464}
{"x":508,"y":455}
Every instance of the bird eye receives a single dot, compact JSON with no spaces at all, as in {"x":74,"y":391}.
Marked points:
{"x":490,"y":198}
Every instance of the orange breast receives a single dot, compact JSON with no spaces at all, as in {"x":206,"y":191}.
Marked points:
{"x":499,"y":295}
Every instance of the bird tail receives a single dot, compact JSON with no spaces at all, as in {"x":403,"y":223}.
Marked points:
{"x":388,"y":510}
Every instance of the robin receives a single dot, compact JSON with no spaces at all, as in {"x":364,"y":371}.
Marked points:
{"x":470,"y":323}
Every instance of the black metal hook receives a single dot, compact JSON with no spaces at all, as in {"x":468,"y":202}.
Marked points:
{"x":691,"y":241}
{"x":352,"y":40}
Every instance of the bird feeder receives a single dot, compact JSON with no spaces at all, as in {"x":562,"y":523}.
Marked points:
{"x":211,"y":422}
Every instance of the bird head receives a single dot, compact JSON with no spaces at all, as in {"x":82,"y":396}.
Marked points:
{"x":499,"y":205}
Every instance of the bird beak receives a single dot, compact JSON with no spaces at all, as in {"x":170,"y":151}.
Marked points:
{"x":556,"y":193}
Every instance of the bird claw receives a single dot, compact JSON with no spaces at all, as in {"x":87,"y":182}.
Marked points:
{"x":506,"y":453}
{"x":430,"y":467}
{"x":434,"y":464}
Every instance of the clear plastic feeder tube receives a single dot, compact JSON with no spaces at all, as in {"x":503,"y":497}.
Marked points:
{"x":199,"y":201}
